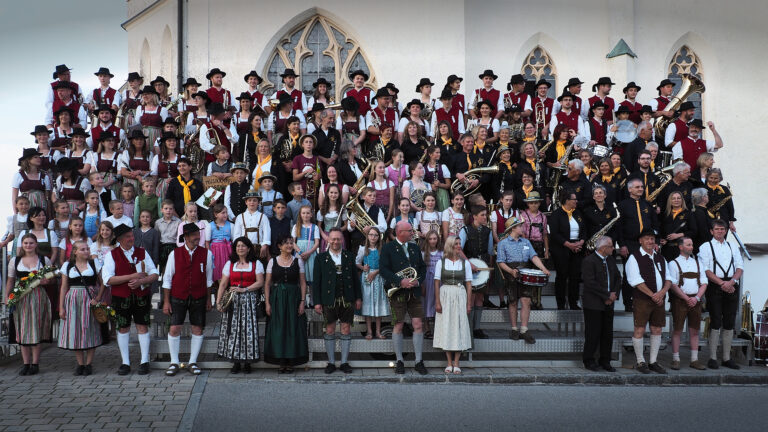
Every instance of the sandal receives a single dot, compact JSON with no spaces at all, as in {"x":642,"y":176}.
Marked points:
{"x":381,"y":336}
{"x":368,"y":336}
{"x":448,"y":369}
{"x":194,"y":369}
{"x":172,"y":370}
{"x":456,"y":370}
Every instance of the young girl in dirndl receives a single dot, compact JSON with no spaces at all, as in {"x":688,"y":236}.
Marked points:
{"x":375,"y":302}
{"x":221,"y":240}
{"x":307,"y":236}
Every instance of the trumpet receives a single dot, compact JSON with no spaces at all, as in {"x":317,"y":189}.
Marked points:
{"x":334,"y":106}
{"x":406,"y":273}
{"x":172,"y":105}
{"x":273,"y":103}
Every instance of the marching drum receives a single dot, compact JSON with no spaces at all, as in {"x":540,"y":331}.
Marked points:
{"x":532,"y":277}
{"x":626,"y":132}
{"x":761,"y":336}
{"x":600,"y":151}
{"x":480,"y":277}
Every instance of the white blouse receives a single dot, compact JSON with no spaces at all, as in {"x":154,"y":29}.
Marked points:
{"x":454,"y":265}
{"x":259,"y":268}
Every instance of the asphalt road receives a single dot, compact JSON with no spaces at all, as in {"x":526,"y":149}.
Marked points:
{"x":233,"y":406}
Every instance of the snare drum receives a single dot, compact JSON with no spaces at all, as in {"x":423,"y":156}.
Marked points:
{"x":600,"y":151}
{"x":532,"y":277}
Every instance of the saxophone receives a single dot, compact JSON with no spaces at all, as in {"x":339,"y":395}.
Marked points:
{"x":592,"y":242}
{"x":664,"y":172}
{"x":474,"y":174}
{"x":715,"y":209}
{"x":406,"y":273}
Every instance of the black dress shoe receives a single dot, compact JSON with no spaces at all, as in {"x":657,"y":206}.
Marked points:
{"x":628,"y":308}
{"x":594,"y":367}
{"x":731,"y":364}
{"x":330,"y":368}
{"x":33,"y":369}
{"x":489,"y":304}
{"x":712,"y":364}
{"x":235,"y":368}
{"x":124,"y":369}
{"x":399,"y":367}
{"x":24,"y":371}
{"x":144,"y":368}
{"x":246,"y":368}
{"x":346,"y":368}
{"x":419,"y":367}
{"x":479,"y":334}
{"x":643,"y":368}
{"x":87,"y":370}
{"x":608,"y":368}
{"x":575,"y":307}
{"x":656,"y":367}
{"x":79,"y":370}
{"x":503,"y":305}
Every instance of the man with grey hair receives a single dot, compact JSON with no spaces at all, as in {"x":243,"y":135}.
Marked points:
{"x":602,"y":281}
{"x":681,"y":172}
{"x":633,"y":149}
{"x":700,"y":219}
{"x":396,"y":256}
{"x":328,"y":138}
{"x":577,"y":183}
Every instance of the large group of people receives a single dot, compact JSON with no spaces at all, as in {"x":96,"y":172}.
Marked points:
{"x":381,"y":206}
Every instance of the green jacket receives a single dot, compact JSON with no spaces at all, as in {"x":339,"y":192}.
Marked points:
{"x":393,"y":260}
{"x":324,"y":279}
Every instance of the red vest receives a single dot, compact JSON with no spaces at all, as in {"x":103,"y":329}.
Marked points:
{"x":493,"y":95}
{"x":98,"y":130}
{"x":124,"y":267}
{"x":634,"y":114}
{"x":109,"y":96}
{"x":518,"y":99}
{"x":548,"y":105}
{"x":608,"y":116}
{"x":692,"y":150}
{"x":576,"y":104}
{"x":153,"y":119}
{"x":681,"y":131}
{"x":217,"y":96}
{"x":74,"y":106}
{"x":458,"y":102}
{"x":139,"y":164}
{"x":363,"y":98}
{"x":501,"y":220}
{"x":598,"y":130}
{"x":452,"y":117}
{"x":258,"y":98}
{"x":570,"y":120}
{"x":662,"y":102}
{"x":388,"y":116}
{"x":223,"y":139}
{"x":106,"y":165}
{"x":75,"y":90}
{"x":189,"y":275}
{"x":28,"y":184}
{"x":296,"y":96}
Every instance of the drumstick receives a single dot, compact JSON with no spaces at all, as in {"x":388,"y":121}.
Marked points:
{"x":483,"y":269}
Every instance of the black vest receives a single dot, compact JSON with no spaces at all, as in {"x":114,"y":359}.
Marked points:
{"x":645,"y":264}
{"x":236,"y":193}
{"x":476,"y":245}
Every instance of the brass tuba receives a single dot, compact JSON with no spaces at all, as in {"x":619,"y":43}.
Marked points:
{"x":690,"y":85}
{"x":195,"y":153}
{"x":474,"y":174}
{"x":406,"y":273}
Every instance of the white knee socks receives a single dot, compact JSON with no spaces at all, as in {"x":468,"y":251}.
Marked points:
{"x":655,"y":345}
{"x":144,"y":346}
{"x":727,"y":340}
{"x":173,"y":347}
{"x":122,"y":343}
{"x":714,"y":340}
{"x":637,"y":344}
{"x":195,"y":345}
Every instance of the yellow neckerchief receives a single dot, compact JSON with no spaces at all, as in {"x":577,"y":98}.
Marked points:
{"x":527,"y":190}
{"x":256,"y":136}
{"x":384,"y":142}
{"x":478,"y":146}
{"x":560,"y":149}
{"x":504,"y":143}
{"x":529,"y":139}
{"x":717,"y":188}
{"x":608,"y":178}
{"x":568,"y":212}
{"x":447,"y":142}
{"x":261,"y":163}
{"x":589,"y":170}
{"x":676,"y":212}
{"x":469,"y":162}
{"x":508,"y":164}
{"x":294,"y":140}
{"x":532,"y":163}
{"x":187,"y":191}
{"x":616,"y":170}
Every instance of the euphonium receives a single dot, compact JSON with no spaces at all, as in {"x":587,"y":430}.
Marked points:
{"x":375,"y":120}
{"x":474,"y":174}
{"x":406,"y":273}
{"x":362,"y":220}
{"x":426,"y":113}
{"x":592,"y":242}
{"x":690,"y":85}
{"x":273,"y":103}
{"x":194,"y":152}
{"x":360,"y":181}
{"x":120,"y":117}
{"x":286,"y":148}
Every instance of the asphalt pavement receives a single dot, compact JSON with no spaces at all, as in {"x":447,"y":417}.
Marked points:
{"x":285,"y":406}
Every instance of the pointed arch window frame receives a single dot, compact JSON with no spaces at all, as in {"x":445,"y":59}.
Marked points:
{"x":538,"y":70}
{"x":686,"y":61}
{"x":293,"y":53}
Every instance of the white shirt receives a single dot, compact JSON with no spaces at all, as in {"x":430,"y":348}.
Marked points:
{"x":207,"y":145}
{"x":493,"y":126}
{"x":253,"y":220}
{"x":17,"y":179}
{"x":17,"y":217}
{"x":686,"y":265}
{"x":633,"y":271}
{"x":170,"y":267}
{"x":271,"y":119}
{"x":458,"y":121}
{"x":301,"y":265}
{"x":574,"y":228}
{"x":140,"y":112}
{"x":72,"y":272}
{"x":425,"y":216}
{"x":404,"y":122}
{"x":108,"y":270}
{"x":156,"y":160}
{"x":453,"y":265}
{"x":93,"y":160}
{"x":335,"y":257}
{"x":340,"y":123}
{"x":654,"y":104}
{"x":63,"y":243}
{"x":125,"y":220}
{"x":723,"y":253}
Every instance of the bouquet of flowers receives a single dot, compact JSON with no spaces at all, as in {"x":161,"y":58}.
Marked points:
{"x":102,"y":312}
{"x":29,"y":282}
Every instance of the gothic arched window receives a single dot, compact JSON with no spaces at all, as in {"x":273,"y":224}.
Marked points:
{"x":538,"y":65}
{"x":685,"y":61}
{"x":317,"y":48}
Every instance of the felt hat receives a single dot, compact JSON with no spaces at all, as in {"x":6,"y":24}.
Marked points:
{"x":485,"y":102}
{"x":598,"y":104}
{"x":355,"y":73}
{"x":574,"y":82}
{"x":414,"y":102}
{"x":159,"y":79}
{"x":190,"y":81}
{"x":511,"y":223}
{"x":267,"y":175}
{"x":602,"y":81}
{"x":566,"y":94}
{"x":253,"y":193}
{"x":136,"y":134}
{"x":216,"y":109}
{"x":452,"y":78}
{"x":542,"y":82}
{"x":170,"y":121}
{"x":382,"y":92}
{"x":188,"y":228}
{"x":253,"y":74}
{"x":66,"y":164}
{"x":533,"y":196}
{"x":204,"y":95}
{"x":392,"y":87}
{"x":40,"y":129}
{"x":62,"y":68}
{"x":287,"y":73}
{"x":422,"y":83}
{"x":446,"y":94}
{"x":245,"y":95}
{"x":133,"y":76}
{"x":149,"y":90}
{"x":103,"y":71}
{"x":121,"y":229}
{"x":645,"y":109}
{"x":78,"y":131}
{"x":665,"y":82}
{"x":685,"y":106}
{"x":64,"y":85}
{"x":104,"y":107}
{"x":316,"y":107}
{"x":168,"y":135}
{"x":488,"y":72}
{"x":696,"y":123}
{"x":630,"y":85}
{"x":28,"y":153}
{"x":215,"y":71}
{"x":515,"y":79}
{"x":321,"y":80}
{"x":238,"y":166}
{"x":350,"y":104}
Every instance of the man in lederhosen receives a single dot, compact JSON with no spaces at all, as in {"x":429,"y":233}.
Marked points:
{"x":335,"y":286}
{"x":187,"y":281}
{"x":396,"y":256}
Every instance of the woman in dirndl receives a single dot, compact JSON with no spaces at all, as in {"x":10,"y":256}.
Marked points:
{"x":79,"y":152}
{"x":438,"y":176}
{"x":80,"y":289}
{"x":164,"y":164}
{"x":104,"y":160}
{"x":71,"y":186}
{"x":48,"y":156}
{"x":431,"y":254}
{"x":150,"y":114}
{"x":30,"y":181}
{"x":31,"y":319}
{"x":453,"y":293}
{"x":285,"y":341}
{"x":329,"y":214}
{"x":134,"y":162}
{"x":239,"y":335}
{"x":384,"y":189}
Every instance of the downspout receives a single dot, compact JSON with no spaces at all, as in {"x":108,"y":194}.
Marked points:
{"x":180,"y":45}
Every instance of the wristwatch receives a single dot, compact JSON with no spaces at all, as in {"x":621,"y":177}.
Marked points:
{"x":698,"y":299}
